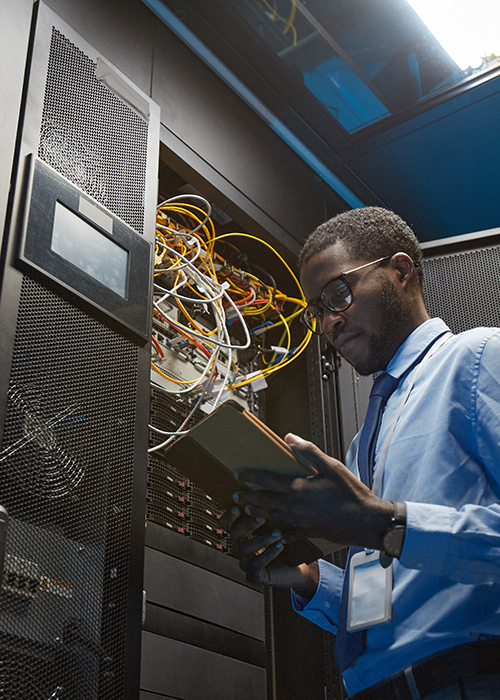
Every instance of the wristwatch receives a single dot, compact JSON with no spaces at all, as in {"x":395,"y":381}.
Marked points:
{"x":393,"y":538}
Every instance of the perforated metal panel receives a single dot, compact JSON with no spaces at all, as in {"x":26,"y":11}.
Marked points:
{"x":74,"y":393}
{"x":66,"y":480}
{"x":90,"y":136}
{"x":463,"y":288}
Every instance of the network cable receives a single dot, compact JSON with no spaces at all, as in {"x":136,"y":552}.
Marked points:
{"x":216,"y":312}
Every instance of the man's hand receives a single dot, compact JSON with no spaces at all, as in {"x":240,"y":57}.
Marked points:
{"x":258,"y":555}
{"x":333,"y":504}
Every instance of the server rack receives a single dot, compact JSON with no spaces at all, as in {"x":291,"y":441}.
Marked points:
{"x":211,"y":625}
{"x":75,"y":365}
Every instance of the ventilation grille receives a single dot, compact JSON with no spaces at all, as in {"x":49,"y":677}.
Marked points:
{"x":462,"y":288}
{"x":66,"y":476}
{"x":90,"y":136}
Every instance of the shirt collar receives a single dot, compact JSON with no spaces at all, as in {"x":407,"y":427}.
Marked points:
{"x":408,"y":352}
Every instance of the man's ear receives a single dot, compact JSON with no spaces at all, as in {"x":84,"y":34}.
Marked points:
{"x":404,"y":266}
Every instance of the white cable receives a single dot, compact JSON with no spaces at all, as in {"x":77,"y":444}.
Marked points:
{"x":180,"y":430}
{"x":182,"y":197}
{"x":196,"y":382}
{"x":187,"y":235}
{"x":169,"y":292}
{"x":167,"y":432}
{"x":221,"y":340}
{"x":227,"y":346}
{"x":194,"y":300}
{"x":202,"y":278}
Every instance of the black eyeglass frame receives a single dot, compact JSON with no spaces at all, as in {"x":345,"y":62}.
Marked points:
{"x":318,"y":313}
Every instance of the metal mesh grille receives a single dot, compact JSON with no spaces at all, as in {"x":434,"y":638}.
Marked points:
{"x":90,"y":136}
{"x":462,"y":288}
{"x":66,"y":480}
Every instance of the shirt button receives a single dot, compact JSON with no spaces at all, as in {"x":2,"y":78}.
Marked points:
{"x":489,"y":579}
{"x":327,"y":604}
{"x":419,"y":565}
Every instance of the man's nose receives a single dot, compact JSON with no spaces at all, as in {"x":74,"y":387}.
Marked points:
{"x":331,"y":319}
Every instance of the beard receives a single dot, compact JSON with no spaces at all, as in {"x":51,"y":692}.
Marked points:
{"x":383,"y":344}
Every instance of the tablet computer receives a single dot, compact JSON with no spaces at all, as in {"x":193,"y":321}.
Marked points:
{"x":230,"y":439}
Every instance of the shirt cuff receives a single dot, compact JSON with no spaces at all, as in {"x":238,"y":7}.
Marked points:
{"x":323,"y":607}
{"x":426,"y":545}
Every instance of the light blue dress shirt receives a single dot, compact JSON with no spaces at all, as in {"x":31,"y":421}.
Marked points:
{"x":444,"y":463}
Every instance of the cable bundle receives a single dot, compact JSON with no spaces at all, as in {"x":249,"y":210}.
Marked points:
{"x":222,"y":314}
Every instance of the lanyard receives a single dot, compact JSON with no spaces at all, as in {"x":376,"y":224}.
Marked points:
{"x":379,"y":471}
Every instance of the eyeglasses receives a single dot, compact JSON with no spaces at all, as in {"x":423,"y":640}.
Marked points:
{"x":336,"y":296}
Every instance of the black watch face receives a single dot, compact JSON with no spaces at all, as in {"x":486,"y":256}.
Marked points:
{"x":393,"y":540}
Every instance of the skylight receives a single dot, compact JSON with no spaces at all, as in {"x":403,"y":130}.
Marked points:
{"x":468,"y":32}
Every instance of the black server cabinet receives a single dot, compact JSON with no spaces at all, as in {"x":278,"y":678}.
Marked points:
{"x":74,"y":387}
{"x":461,"y":279}
{"x":204,"y":632}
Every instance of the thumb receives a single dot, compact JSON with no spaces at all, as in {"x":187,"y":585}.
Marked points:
{"x":308,"y":453}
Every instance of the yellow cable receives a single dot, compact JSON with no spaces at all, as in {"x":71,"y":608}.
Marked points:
{"x":287,"y":22}
{"x":239,"y":281}
{"x":267,"y":372}
{"x":247,"y":235}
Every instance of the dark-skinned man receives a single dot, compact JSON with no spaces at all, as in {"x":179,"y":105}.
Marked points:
{"x":418,"y":614}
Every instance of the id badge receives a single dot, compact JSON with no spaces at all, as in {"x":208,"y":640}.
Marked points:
{"x":370,"y":591}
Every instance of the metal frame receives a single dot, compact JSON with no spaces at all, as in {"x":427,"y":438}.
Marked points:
{"x":27,"y":142}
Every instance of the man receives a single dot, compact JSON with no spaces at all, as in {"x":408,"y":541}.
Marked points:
{"x":425,"y":609}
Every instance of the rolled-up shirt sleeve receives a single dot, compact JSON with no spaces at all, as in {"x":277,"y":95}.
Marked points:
{"x":323,"y":607}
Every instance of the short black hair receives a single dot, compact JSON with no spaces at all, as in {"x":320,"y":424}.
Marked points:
{"x":367,"y":233}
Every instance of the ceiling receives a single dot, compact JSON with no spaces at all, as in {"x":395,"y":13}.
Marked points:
{"x":370,"y":93}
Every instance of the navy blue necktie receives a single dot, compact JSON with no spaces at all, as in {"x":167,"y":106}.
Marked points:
{"x":383,"y":387}
{"x":350,"y":645}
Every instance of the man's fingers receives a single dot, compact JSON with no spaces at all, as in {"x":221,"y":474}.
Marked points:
{"x":306,"y":452}
{"x":311,"y":454}
{"x":229,"y":517}
{"x":261,"y":502}
{"x":245,"y":526}
{"x":255,"y":545}
{"x":256,"y":566}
